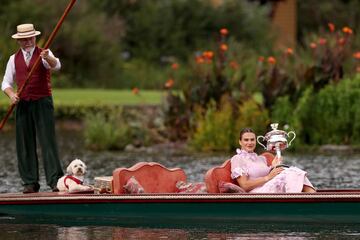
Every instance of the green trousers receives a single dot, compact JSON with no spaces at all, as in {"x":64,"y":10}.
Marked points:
{"x":35,"y":121}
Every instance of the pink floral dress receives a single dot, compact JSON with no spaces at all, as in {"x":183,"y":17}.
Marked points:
{"x":291,"y":180}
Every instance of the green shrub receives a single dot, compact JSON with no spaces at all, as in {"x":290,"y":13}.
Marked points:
{"x":339,"y":12}
{"x":254,"y":115}
{"x":282,"y":111}
{"x":87,"y":43}
{"x":356,"y":127}
{"x":336,"y":108}
{"x":141,"y":74}
{"x":219,"y":128}
{"x":158,"y":28}
{"x":215,"y":129}
{"x":330,"y":116}
{"x":113,"y":128}
{"x":81,"y":111}
{"x":106,"y":131}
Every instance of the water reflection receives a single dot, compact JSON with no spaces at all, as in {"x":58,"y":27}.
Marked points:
{"x":246,"y":231}
{"x":151,"y":234}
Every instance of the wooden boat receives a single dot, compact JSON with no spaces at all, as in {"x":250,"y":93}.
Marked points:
{"x":325,"y":206}
{"x":155,"y":206}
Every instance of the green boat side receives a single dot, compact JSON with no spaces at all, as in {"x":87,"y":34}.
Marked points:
{"x":339,"y":206}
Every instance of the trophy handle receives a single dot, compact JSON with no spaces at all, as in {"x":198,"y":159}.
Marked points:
{"x":258,"y":140}
{"x":291,"y":132}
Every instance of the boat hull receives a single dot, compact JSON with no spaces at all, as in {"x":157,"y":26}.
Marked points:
{"x":196,"y":208}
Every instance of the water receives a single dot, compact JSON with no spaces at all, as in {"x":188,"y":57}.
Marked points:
{"x":325,"y":171}
{"x":247,"y":231}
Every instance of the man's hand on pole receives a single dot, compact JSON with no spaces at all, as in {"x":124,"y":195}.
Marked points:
{"x":14,"y":98}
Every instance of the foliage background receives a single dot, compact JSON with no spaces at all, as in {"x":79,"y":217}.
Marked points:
{"x":156,"y":44}
{"x":123,"y":44}
{"x":128,"y":43}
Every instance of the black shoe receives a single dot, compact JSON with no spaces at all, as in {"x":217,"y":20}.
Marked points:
{"x":55,"y":189}
{"x":31,"y":188}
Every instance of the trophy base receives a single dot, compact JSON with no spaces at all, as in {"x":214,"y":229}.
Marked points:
{"x":282,"y":165}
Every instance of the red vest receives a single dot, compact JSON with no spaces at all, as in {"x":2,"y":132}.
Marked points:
{"x":39,"y":85}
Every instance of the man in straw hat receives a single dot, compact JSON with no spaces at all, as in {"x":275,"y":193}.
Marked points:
{"x":34,"y":110}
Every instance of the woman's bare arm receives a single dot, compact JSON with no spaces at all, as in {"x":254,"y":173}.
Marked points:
{"x":248,"y":185}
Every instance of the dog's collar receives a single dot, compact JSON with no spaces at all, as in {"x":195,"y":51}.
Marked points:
{"x":78,"y":181}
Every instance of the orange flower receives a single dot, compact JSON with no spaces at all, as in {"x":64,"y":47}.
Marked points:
{"x":234,"y":65}
{"x":135,"y":91}
{"x":261,"y":59}
{"x":175,"y":66}
{"x":271,"y":60}
{"x":199,"y":59}
{"x":223,"y":47}
{"x":322,"y":41}
{"x":169,"y":83}
{"x":313,"y":45}
{"x":347,"y":30}
{"x":341,"y":41}
{"x":224,"y":31}
{"x":331,"y":27}
{"x":356,"y":55}
{"x":208,"y":55}
{"x":289,"y":51}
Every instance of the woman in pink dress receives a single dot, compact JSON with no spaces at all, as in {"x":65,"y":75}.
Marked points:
{"x":255,"y":176}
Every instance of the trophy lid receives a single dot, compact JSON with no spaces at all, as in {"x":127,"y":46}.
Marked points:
{"x":274,"y":131}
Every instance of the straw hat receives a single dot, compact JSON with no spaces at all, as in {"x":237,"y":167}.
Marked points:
{"x":25,"y":31}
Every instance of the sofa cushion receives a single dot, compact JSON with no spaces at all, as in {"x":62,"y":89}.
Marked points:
{"x":132,"y":186}
{"x":183,"y":187}
{"x":227,"y":187}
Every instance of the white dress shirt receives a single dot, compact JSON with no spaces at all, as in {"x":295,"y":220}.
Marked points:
{"x":9,"y":77}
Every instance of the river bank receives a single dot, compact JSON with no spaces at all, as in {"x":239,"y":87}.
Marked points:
{"x":78,"y":126}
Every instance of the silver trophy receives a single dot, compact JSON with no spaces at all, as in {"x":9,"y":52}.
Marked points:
{"x":276,"y":140}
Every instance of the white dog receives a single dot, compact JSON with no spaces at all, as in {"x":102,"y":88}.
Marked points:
{"x":73,"y":181}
